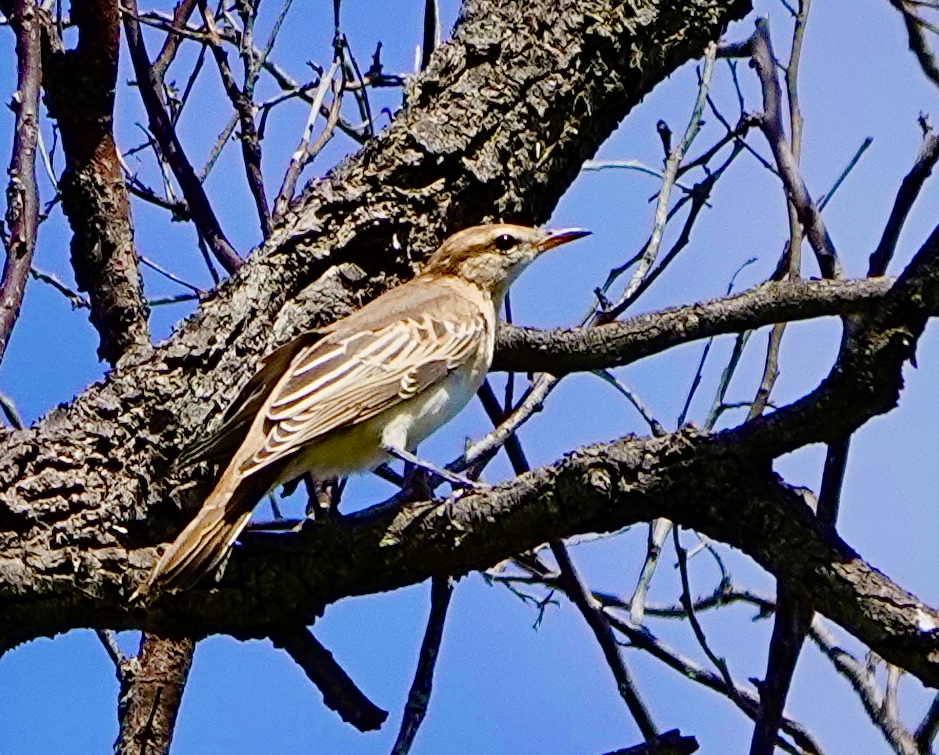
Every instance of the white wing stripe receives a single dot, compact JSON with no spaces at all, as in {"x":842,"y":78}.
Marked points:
{"x":328,"y":356}
{"x":306,"y":391}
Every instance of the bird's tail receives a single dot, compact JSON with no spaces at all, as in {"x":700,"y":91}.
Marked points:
{"x":207,"y":540}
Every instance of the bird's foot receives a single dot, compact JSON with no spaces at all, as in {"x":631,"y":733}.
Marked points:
{"x":428,"y":471}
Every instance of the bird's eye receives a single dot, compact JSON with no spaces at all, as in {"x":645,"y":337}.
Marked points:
{"x":505,"y":242}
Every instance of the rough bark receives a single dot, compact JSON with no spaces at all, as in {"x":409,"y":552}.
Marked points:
{"x":151,"y":689}
{"x":79,"y":87}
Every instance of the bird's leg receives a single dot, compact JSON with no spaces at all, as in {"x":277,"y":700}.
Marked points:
{"x":324,"y":495}
{"x":455,"y":480}
{"x":419,"y":484}
{"x":335,"y":494}
{"x":275,"y":507}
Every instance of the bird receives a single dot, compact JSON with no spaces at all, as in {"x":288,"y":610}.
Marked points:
{"x":357,"y":393}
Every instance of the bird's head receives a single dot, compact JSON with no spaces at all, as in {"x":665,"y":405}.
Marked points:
{"x":492,"y":256}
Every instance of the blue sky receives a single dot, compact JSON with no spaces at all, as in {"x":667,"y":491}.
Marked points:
{"x":502,"y":685}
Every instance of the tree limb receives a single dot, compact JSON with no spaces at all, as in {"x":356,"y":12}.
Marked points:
{"x":80,"y":85}
{"x":22,"y":214}
{"x":559,"y":351}
{"x":151,"y":690}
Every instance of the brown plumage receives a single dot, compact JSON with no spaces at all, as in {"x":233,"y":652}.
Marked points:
{"x":350,"y":396}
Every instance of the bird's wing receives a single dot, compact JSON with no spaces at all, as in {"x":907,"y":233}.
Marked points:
{"x":350,"y":377}
{"x":239,"y":415}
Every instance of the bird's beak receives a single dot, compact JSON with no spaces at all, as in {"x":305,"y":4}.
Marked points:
{"x":565,"y":236}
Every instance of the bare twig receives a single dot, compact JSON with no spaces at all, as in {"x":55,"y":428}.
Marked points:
{"x":10,"y":412}
{"x":168,"y":275}
{"x":794,"y":615}
{"x":22,"y":214}
{"x":688,"y":602}
{"x":672,"y":164}
{"x":219,"y":145}
{"x":419,"y":695}
{"x":529,"y":405}
{"x":740,"y":343}
{"x":177,"y":299}
{"x":181,"y":15}
{"x":75,"y":299}
{"x":909,"y":190}
{"x":241,"y":100}
{"x":699,"y":371}
{"x":698,"y":197}
{"x":827,"y":196}
{"x":179,"y":208}
{"x":339,"y":691}
{"x":304,"y":152}
{"x":306,"y":92}
{"x":861,"y":678}
{"x":431,"y":35}
{"x":745,"y":699}
{"x":109,"y":643}
{"x":915,"y":30}
{"x":756,"y":120}
{"x":171,"y":150}
{"x":793,"y":255}
{"x":669,"y":743}
{"x":759,"y":47}
{"x":513,"y":448}
{"x":926,"y":731}
{"x":352,"y":74}
{"x":658,"y":533}
{"x":569,"y":581}
{"x":734,"y":136}
{"x":792,"y":620}
{"x":654,"y":425}
{"x":863,"y":681}
{"x":598,"y":622}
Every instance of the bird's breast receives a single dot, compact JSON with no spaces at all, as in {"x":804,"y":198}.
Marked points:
{"x":420,"y":416}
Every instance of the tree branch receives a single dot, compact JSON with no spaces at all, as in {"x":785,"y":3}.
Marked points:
{"x":150,"y":85}
{"x":284,"y":580}
{"x":909,"y":190}
{"x":759,"y":47}
{"x":241,"y":100}
{"x":441,"y":590}
{"x":22,"y":215}
{"x":559,"y":351}
{"x":152,"y":687}
{"x":80,"y":85}
{"x":339,"y":691}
